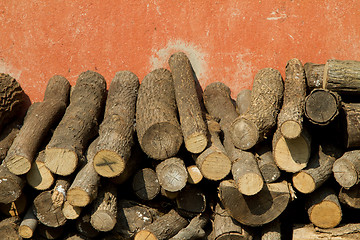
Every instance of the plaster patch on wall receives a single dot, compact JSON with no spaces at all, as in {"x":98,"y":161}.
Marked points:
{"x":244,"y":69}
{"x":9,"y":69}
{"x":160,"y":57}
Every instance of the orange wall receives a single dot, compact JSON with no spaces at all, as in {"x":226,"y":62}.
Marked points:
{"x":226,"y":41}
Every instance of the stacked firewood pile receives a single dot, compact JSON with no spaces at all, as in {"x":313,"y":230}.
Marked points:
{"x":164,"y":160}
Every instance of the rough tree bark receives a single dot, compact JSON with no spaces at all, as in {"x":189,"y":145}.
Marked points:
{"x":7,"y":137}
{"x":194,"y":230}
{"x":310,"y":232}
{"x":351,"y":124}
{"x":267,"y":166}
{"x":271,"y":231}
{"x":351,"y":196}
{"x":9,"y":228}
{"x":11,"y":185}
{"x":314,"y":75}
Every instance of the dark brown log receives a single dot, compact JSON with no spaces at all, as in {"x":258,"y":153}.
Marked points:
{"x":194,"y":230}
{"x":271,"y":231}
{"x":12,"y":99}
{"x":78,"y":126}
{"x":71,"y":212}
{"x":39,"y":176}
{"x":84,"y":227}
{"x":323,"y":208}
{"x":146,"y":184}
{"x":322,"y":106}
{"x":157,"y":127}
{"x":267,"y":166}
{"x":291,"y":155}
{"x":243,"y":101}
{"x":163,"y":228}
{"x":49,"y":232}
{"x":11,"y":185}
{"x":117,"y":130}
{"x":258,"y":209}
{"x":172,"y":174}
{"x":9,"y":228}
{"x":351,"y":196}
{"x":342,"y":76}
{"x":7,"y":137}
{"x":48,"y":204}
{"x":290,"y":119}
{"x":266,"y":98}
{"x":318,"y":170}
{"x":191,"y":201}
{"x":346,"y":169}
{"x":28,"y":224}
{"x":310,"y":232}
{"x":103,"y":217}
{"x":15,"y":208}
{"x":194,"y":174}
{"x":314,"y":75}
{"x":351,"y":124}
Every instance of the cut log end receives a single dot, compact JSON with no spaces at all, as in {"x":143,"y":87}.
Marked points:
{"x":25,"y":231}
{"x":145,"y":235}
{"x":108,"y":163}
{"x":304,"y":182}
{"x":196,"y":143}
{"x":245,"y":134}
{"x":104,"y":221}
{"x":326,"y":214}
{"x":61,"y":161}
{"x":215,"y":166}
{"x":290,"y":129}
{"x":345,"y":174}
{"x":18,"y":165}
{"x":39,"y":176}
{"x":194,"y":174}
{"x":70,"y":211}
{"x":250,"y":184}
{"x":231,"y":236}
{"x":78,"y":197}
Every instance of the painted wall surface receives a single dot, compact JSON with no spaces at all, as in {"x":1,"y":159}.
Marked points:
{"x":226,"y":41}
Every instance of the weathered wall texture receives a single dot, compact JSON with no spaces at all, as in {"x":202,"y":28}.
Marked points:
{"x":226,"y":41}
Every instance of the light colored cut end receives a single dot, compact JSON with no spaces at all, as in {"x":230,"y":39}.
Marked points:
{"x":102,"y":221}
{"x":39,"y":176}
{"x":231,"y":236}
{"x":25,"y":231}
{"x":145,"y":235}
{"x":244,"y":134}
{"x":326,"y":214}
{"x":173,"y":178}
{"x":71,"y":212}
{"x":345,"y":173}
{"x":18,"y":165}
{"x":61,"y":161}
{"x":196,"y":143}
{"x":215,"y":166}
{"x":292,"y":155}
{"x":250,"y":184}
{"x":303,"y":182}
{"x":290,"y":129}
{"x":194,"y":174}
{"x":108,"y":163}
{"x":78,"y":197}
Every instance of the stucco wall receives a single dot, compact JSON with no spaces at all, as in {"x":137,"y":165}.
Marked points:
{"x":226,"y":41}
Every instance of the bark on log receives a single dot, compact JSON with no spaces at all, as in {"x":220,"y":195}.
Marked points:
{"x":103,"y":217}
{"x":318,"y":170}
{"x":146,"y":184}
{"x":351,"y":124}
{"x":78,"y":126}
{"x":255,"y":210}
{"x":314,"y":75}
{"x":194,"y":174}
{"x":191,"y":201}
{"x":117,"y":130}
{"x":342,"y":76}
{"x":84,"y":227}
{"x":322,"y":106}
{"x":257,"y":123}
{"x":191,"y":118}
{"x":163,"y":228}
{"x":11,"y":185}
{"x":290,"y":119}
{"x":323,"y":208}
{"x":346,"y":169}
{"x":157,"y":127}
{"x":172,"y":174}
{"x":28,"y":224}
{"x":7,"y":137}
{"x":39,"y":176}
{"x":15,"y":208}
{"x":194,"y":230}
{"x":348,"y":231}
{"x":49,"y":232}
{"x":9,"y":228}
{"x":271,"y":231}
{"x":291,"y":155}
{"x":71,"y":212}
{"x":243,"y":101}
{"x":350,"y":197}
{"x":267,"y":166}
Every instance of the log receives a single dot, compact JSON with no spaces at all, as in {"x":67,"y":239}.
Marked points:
{"x":291,"y":155}
{"x":351,"y":124}
{"x":191,"y":118}
{"x":146,"y":184}
{"x":12,"y":99}
{"x":78,"y":126}
{"x":117,"y":130}
{"x":163,"y":228}
{"x":310,"y":232}
{"x":257,"y":123}
{"x":346,"y":169}
{"x":314,"y":75}
{"x":267,"y":166}
{"x":342,"y":76}
{"x":104,"y":212}
{"x":194,"y":230}
{"x":7,"y":137}
{"x":225,"y":227}
{"x":323,"y":208}
{"x":258,"y":209}
{"x":243,"y":101}
{"x":322,"y":106}
{"x":271,"y":231}
{"x":290,"y":119}
{"x":84,"y":227}
{"x":28,"y":224}
{"x":71,"y":212}
{"x":11,"y":185}
{"x":84,"y":188}
{"x":15,"y":208}
{"x":169,"y":195}
{"x":351,"y":196}
{"x":48,"y":204}
{"x":194,"y":174}
{"x":49,"y":232}
{"x":191,"y":201}
{"x":318,"y":170}
{"x":36,"y":126}
{"x":157,"y":127}
{"x":9,"y":228}
{"x":172,"y":174}
{"x":39,"y":176}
